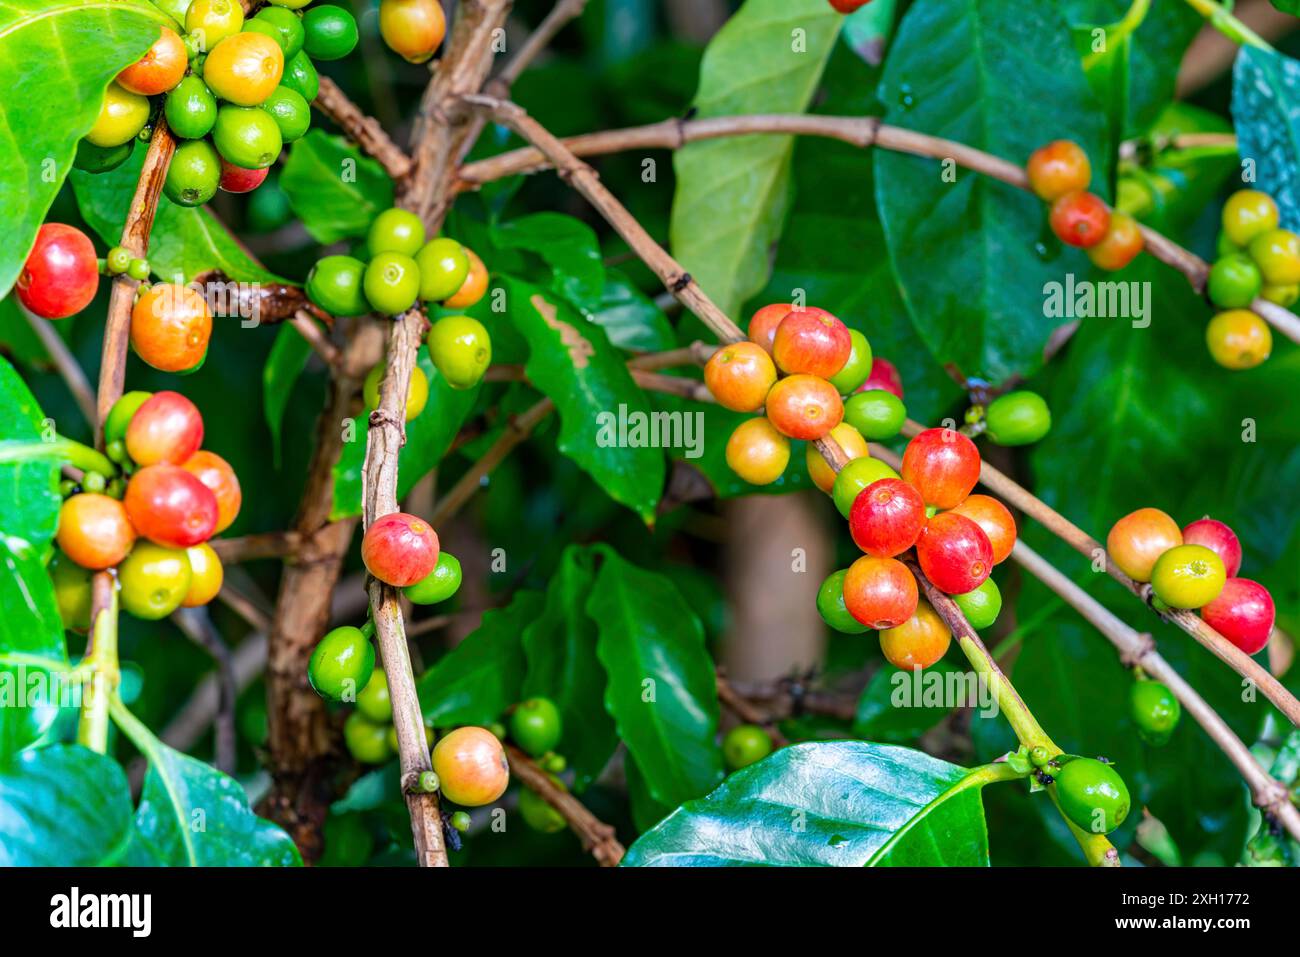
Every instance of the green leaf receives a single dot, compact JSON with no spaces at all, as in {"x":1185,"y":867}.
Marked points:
{"x":1003,"y":78}
{"x":333,"y":188}
{"x":29,"y":488}
{"x":569,"y":246}
{"x":571,"y":360}
{"x":284,"y":364}
{"x":732,"y":194}
{"x":867,"y":30}
{"x":842,"y":803}
{"x":1266,"y":112}
{"x":192,"y":815}
{"x":63,"y":806}
{"x":428,"y":437}
{"x":481,"y":677}
{"x":185,"y":241}
{"x":662,"y":692}
{"x":630,"y":318}
{"x":33,"y":655}
{"x":56,"y":59}
{"x":17,"y":338}
{"x":894,"y":705}
{"x":560,"y":647}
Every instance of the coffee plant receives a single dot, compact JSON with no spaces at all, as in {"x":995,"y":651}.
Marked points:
{"x":796,"y":432}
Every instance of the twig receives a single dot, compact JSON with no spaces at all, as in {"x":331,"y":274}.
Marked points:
{"x":597,"y":837}
{"x":653,"y":381}
{"x":744,"y":710}
{"x":1091,"y":549}
{"x":267,"y":303}
{"x":198,"y":628}
{"x":320,"y":342}
{"x":247,"y":548}
{"x":135,"y":239}
{"x":518,"y":428}
{"x":863,"y":132}
{"x":66,"y":364}
{"x":244,"y":607}
{"x":364,"y":130}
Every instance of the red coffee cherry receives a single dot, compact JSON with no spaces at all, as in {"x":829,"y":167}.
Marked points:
{"x":762,"y":325}
{"x":996,"y":521}
{"x":886,"y":518}
{"x":880,"y":592}
{"x":739,"y":376}
{"x":1243,"y":613}
{"x":954,"y":553}
{"x":943,"y":464}
{"x":885,"y":376}
{"x":61,"y":273}
{"x":170,"y":327}
{"x":918,"y":642}
{"x":170,"y":507}
{"x":811,"y":341}
{"x":400,"y":549}
{"x":1138,"y":539}
{"x":1218,"y":538}
{"x":804,"y":407}
{"x":166,"y":428}
{"x":237,"y":179}
{"x":1080,"y":219}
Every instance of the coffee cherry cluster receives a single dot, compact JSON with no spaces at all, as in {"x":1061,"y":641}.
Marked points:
{"x":1059,"y":174}
{"x":1256,"y":260}
{"x":405,"y":269}
{"x":413,"y":29}
{"x":233,"y":91}
{"x":797,"y":364}
{"x":1194,"y":567}
{"x":152,"y":520}
{"x":957,"y":537}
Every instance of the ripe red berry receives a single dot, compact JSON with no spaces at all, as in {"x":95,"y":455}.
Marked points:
{"x":400,"y":549}
{"x":943,"y":464}
{"x":954,"y":552}
{"x":1057,"y":168}
{"x":996,"y":521}
{"x":61,"y":273}
{"x":1243,"y":613}
{"x":804,"y":407}
{"x":885,"y":376}
{"x":886,"y":518}
{"x":166,"y":428}
{"x":762,"y":326}
{"x":811,"y":341}
{"x":739,"y":376}
{"x":1218,"y":538}
{"x":170,"y":507}
{"x":1122,"y":242}
{"x":236,"y":179}
{"x":848,"y":6}
{"x":215,"y":472}
{"x":1080,"y":219}
{"x":880,"y":592}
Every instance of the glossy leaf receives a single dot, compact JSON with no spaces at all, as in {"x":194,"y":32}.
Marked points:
{"x":662,"y":691}
{"x":185,"y":241}
{"x":560,"y":647}
{"x":733,"y":194}
{"x":334,"y":189}
{"x":630,"y":318}
{"x":29,"y":485}
{"x":478,"y":679}
{"x":842,"y":804}
{"x":33,"y":655}
{"x":288,"y":357}
{"x":63,"y":806}
{"x":1266,"y":112}
{"x":1003,"y":78}
{"x":571,"y":360}
{"x":56,"y":59}
{"x":569,"y":246}
{"x":428,"y":437}
{"x":897,"y":707}
{"x":192,"y":815}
